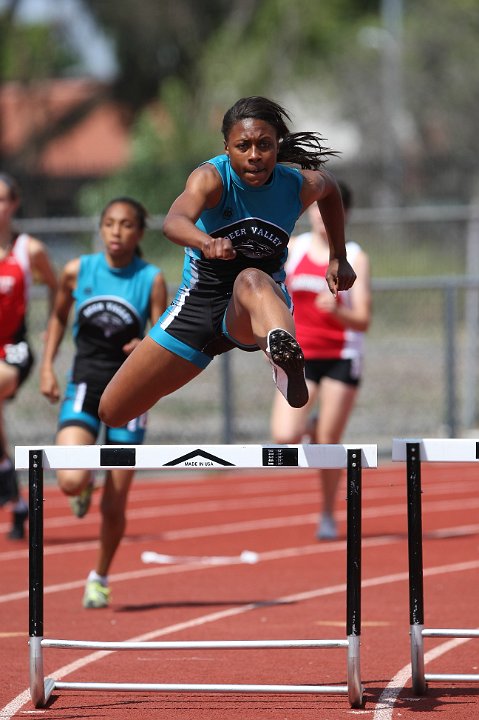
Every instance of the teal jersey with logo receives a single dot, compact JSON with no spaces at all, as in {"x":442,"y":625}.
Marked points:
{"x":112,"y":306}
{"x":258,"y":221}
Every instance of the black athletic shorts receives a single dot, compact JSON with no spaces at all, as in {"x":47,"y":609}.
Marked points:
{"x":347,"y":371}
{"x":20,"y":355}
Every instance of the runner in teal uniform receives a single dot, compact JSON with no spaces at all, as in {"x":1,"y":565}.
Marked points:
{"x":114,"y":294}
{"x":234,"y":219}
{"x":258,"y":221}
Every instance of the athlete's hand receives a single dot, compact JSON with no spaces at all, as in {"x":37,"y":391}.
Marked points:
{"x":49,"y":385}
{"x":218,"y":249}
{"x":339,"y":275}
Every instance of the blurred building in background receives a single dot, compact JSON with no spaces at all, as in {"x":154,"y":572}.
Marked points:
{"x":93,"y":141}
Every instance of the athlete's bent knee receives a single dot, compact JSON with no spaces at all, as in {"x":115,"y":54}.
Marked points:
{"x":107,"y":414}
{"x":250,"y":279}
{"x":70,"y":483}
{"x":285,"y":438}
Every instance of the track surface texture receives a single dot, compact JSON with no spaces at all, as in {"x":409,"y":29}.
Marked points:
{"x":295,"y":590}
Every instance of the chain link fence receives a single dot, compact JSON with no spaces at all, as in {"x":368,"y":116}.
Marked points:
{"x":421,"y":352}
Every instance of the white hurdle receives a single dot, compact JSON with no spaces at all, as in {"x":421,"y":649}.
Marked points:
{"x":415,"y":452}
{"x":351,"y":457}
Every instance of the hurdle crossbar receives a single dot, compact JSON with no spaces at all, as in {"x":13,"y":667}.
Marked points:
{"x":181,"y":457}
{"x":415,"y":452}
{"x":351,"y":457}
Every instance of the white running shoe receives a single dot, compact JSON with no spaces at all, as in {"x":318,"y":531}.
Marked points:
{"x":327,"y":529}
{"x":96,"y":595}
{"x":287,"y":362}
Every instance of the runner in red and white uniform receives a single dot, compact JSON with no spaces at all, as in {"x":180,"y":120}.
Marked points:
{"x":22,"y":258}
{"x":330,"y":331}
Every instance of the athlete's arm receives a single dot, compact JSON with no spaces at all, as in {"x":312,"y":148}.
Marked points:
{"x":357,"y":314}
{"x":203,"y":190}
{"x":56,"y":329}
{"x":158,"y":300}
{"x":42,"y":268}
{"x":321,"y":187}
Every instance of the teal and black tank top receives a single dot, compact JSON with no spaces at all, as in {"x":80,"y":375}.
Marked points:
{"x":258,"y":220}
{"x":112,"y":306}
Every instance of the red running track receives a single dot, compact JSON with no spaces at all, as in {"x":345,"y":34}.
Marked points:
{"x":295,"y":590}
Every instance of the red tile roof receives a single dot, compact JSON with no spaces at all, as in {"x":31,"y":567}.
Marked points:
{"x":97,"y":145}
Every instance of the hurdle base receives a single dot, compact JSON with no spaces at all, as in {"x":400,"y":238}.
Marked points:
{"x":434,"y":677}
{"x":40,"y":687}
{"x":355,"y":688}
{"x":40,"y":694}
{"x":419,"y":684}
{"x":203,"y":687}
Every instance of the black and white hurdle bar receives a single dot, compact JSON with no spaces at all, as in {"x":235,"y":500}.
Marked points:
{"x":95,"y":457}
{"x":415,"y":452}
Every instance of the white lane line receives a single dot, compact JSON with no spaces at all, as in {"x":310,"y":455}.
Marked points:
{"x":385,"y":705}
{"x":428,"y":506}
{"x":7,"y":712}
{"x":316,"y":549}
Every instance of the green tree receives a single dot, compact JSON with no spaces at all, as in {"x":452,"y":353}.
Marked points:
{"x":156,"y":41}
{"x":29,"y":54}
{"x":267,"y":47}
{"x":35,"y":52}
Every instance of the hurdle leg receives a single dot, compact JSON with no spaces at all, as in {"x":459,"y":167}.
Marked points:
{"x":353,"y":592}
{"x":39,"y":689}
{"x":416,"y":593}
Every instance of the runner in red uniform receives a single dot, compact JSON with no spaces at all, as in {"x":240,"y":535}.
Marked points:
{"x":22,"y":258}
{"x":330,"y":331}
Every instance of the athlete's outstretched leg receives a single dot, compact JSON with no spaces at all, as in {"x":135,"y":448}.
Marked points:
{"x":148,"y":374}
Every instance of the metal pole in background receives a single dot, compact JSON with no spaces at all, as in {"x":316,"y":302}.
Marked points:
{"x":471,"y":310}
{"x":450,"y":302}
{"x":227,"y":395}
{"x":392,"y":99}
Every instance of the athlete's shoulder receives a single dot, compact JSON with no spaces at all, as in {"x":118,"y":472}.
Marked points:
{"x":220,"y":162}
{"x":288,"y":176}
{"x":289,"y":171}
{"x":89,"y":260}
{"x":70,"y":273}
{"x":30,"y":245}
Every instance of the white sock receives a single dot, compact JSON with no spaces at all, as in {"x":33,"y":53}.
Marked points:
{"x":103,"y":579}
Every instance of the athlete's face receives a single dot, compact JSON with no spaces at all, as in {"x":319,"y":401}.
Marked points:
{"x":121,"y":233}
{"x":8,"y":205}
{"x":252,"y":146}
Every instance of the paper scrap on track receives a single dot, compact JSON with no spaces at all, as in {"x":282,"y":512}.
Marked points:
{"x":247,"y":556}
